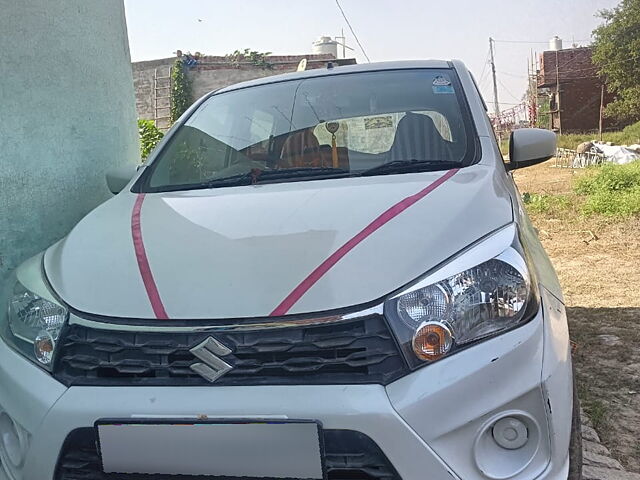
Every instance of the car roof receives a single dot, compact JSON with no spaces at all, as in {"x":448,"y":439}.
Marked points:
{"x":340,"y":70}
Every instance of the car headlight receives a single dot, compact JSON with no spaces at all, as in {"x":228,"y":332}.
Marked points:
{"x":438,"y":316}
{"x":32,"y":323}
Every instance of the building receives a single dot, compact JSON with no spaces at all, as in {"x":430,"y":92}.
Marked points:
{"x":151,"y":79}
{"x":569,"y":79}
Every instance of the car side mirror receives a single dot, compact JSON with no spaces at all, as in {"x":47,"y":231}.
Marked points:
{"x":118,"y":177}
{"x":528,"y":146}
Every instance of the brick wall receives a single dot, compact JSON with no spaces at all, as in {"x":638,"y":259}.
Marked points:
{"x":580,"y":90}
{"x":580,"y":105}
{"x":143,"y":83}
{"x":573,"y":64}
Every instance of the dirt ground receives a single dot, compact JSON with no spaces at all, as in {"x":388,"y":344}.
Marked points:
{"x":598,"y":262}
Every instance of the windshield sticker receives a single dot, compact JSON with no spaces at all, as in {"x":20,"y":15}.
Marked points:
{"x":442,"y":89}
{"x":441,"y":81}
{"x":442,"y":84}
{"x":378,"y":122}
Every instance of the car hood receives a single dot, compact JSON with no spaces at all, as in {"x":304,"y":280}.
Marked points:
{"x":240,"y":251}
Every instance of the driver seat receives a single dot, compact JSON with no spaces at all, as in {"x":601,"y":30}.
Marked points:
{"x":301,"y":149}
{"x":417,"y":138}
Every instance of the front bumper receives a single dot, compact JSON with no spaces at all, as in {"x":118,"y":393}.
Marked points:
{"x":427,"y":424}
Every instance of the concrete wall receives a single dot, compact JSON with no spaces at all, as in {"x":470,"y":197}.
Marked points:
{"x":211,"y":73}
{"x":205,"y":80}
{"x":67,"y":115}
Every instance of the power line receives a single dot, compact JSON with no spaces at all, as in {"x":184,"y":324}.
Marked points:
{"x":574,"y":59}
{"x":352,"y":31}
{"x":636,"y":57}
{"x":484,"y":67}
{"x":507,"y":90}
{"x":562,"y":70}
{"x":532,"y":42}
{"x":516,"y":75}
{"x":485,"y":84}
{"x":592,"y":68}
{"x":508,"y":74}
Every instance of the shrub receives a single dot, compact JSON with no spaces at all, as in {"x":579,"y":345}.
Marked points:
{"x":259,"y":59}
{"x":609,"y":178}
{"x":616,"y":204}
{"x":544,"y":203}
{"x":181,"y":90}
{"x":611,"y":189}
{"x":149,"y":136}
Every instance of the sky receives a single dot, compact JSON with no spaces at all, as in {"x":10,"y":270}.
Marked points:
{"x":387,"y":29}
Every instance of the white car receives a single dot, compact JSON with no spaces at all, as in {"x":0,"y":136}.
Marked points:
{"x":320,"y":275}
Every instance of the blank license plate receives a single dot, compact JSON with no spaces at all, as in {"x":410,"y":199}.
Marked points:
{"x":272,"y":449}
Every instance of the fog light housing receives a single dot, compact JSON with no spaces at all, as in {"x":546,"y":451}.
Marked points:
{"x":510,"y":433}
{"x":13,"y":444}
{"x":507,"y":444}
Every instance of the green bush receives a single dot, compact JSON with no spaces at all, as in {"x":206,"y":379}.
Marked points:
{"x":181,"y":90}
{"x":612,"y":190}
{"x":609,"y":178}
{"x":615,"y":204}
{"x":544,"y":203}
{"x":149,"y":136}
{"x":259,"y":59}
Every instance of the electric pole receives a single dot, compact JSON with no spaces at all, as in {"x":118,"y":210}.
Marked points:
{"x":601,"y":110}
{"x":558,"y":96}
{"x":495,"y":84}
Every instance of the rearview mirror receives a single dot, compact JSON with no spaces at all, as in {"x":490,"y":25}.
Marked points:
{"x":528,"y":146}
{"x":118,"y":177}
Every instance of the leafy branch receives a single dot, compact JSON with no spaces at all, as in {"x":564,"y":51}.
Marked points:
{"x":150,"y":135}
{"x":181,"y":92}
{"x":259,"y":59}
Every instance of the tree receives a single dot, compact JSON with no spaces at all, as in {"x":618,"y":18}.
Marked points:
{"x":617,"y":55}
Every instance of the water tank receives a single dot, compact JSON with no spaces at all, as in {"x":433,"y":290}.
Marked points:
{"x":555,"y":43}
{"x":325,"y":45}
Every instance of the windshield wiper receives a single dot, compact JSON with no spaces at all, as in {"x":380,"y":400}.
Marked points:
{"x":401,"y":166}
{"x":232,"y":181}
{"x":298,"y":172}
{"x":257,"y":175}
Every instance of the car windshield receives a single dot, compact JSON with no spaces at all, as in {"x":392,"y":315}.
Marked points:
{"x":372,"y":123}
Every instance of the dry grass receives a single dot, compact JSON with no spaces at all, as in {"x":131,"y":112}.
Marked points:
{"x":598,"y":262}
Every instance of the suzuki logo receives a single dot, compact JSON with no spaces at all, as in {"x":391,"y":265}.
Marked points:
{"x":212,"y":366}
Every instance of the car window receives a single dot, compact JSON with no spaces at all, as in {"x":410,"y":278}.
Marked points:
{"x":351,"y":122}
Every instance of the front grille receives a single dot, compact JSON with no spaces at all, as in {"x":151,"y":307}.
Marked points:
{"x":351,"y":352}
{"x":349,"y":455}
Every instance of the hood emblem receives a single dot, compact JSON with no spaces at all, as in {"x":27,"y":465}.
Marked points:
{"x":212,"y":366}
